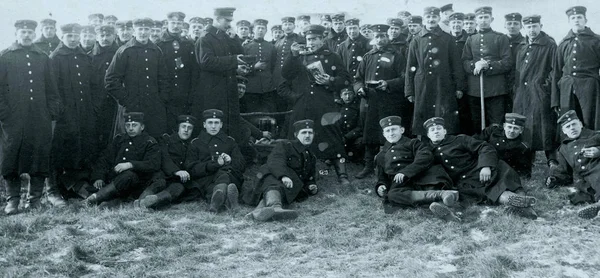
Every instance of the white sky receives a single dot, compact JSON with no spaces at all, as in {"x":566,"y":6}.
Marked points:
{"x":369,"y":11}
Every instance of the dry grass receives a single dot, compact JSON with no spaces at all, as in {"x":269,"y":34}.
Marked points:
{"x":342,"y":232}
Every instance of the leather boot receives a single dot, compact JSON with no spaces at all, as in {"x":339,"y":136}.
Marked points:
{"x":155,"y":201}
{"x":104,"y":194}
{"x":256,"y":212}
{"x":218,"y":197}
{"x":340,"y":169}
{"x":53,"y":192}
{"x":36,"y":190}
{"x":516,"y":200}
{"x":589,"y":212}
{"x":232,"y":197}
{"x":13,"y":196}
{"x":443,"y":212}
{"x":273,"y":209}
{"x":449,"y":197}
{"x":367,"y":170}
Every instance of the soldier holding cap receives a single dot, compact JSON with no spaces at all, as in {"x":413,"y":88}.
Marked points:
{"x":128,"y":164}
{"x":398,"y":40}
{"x":354,"y":47}
{"x":513,"y":27}
{"x":197,"y":26}
{"x":289,"y":175}
{"x":110,"y":20}
{"x":87,"y":38}
{"x":124,"y":31}
{"x":406,"y":176}
{"x":535,"y":57}
{"x":155,"y":31}
{"x":30,"y":101}
{"x":469,"y":25}
{"x":337,"y":34}
{"x":48,"y":41}
{"x":95,"y":19}
{"x":578,"y":163}
{"x":215,"y":163}
{"x":576,"y":83}
{"x":477,"y":173}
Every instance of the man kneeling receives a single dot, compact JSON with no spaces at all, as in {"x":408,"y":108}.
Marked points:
{"x":407,"y":176}
{"x":289,"y":174}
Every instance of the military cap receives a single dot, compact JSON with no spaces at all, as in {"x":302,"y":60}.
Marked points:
{"x":186,"y":26}
{"x":157,"y":24}
{"x":434,"y":122}
{"x":446,"y":7}
{"x":303,"y":124}
{"x":243,"y":23}
{"x":326,"y":17}
{"x":70,"y":28}
{"x":431,"y":11}
{"x":197,"y":20}
{"x":124,"y":23}
{"x":134,"y":117}
{"x":94,"y":16}
{"x":576,"y":10}
{"x":110,"y":18}
{"x":390,"y":121}
{"x":164,"y":22}
{"x":48,"y":22}
{"x":314,"y":29}
{"x":186,"y":119}
{"x":88,"y":29}
{"x":262,"y":22}
{"x":224,"y":12}
{"x":241,"y":79}
{"x":176,"y":15}
{"x":380,"y":28}
{"x":470,"y":16}
{"x":365,"y":26}
{"x":338,"y":17}
{"x":352,"y":22}
{"x":515,"y":119}
{"x":288,"y":19}
{"x":567,"y":117}
{"x":415,"y":19}
{"x":304,"y":17}
{"x":25,"y":24}
{"x":531,"y":19}
{"x":212,"y":114}
{"x":483,"y":10}
{"x":208,"y":21}
{"x":404,"y":14}
{"x":105,"y":30}
{"x":143,"y":22}
{"x":456,"y":16}
{"x":513,"y":17}
{"x":276,"y":27}
{"x":394,"y":22}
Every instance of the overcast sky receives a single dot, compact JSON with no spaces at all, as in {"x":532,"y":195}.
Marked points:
{"x":369,"y":11}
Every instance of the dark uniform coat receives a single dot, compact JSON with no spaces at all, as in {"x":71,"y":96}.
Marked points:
{"x":74,"y":143}
{"x":180,"y":59}
{"x":316,"y":101}
{"x":575,"y":80}
{"x":47,"y":45}
{"x":174,"y":152}
{"x":389,"y":65}
{"x":283,"y":48}
{"x":105,"y":106}
{"x":514,"y":152}
{"x":29,"y":101}
{"x":434,"y":74}
{"x":514,"y":42}
{"x":261,"y":81}
{"x":352,"y":51}
{"x":334,"y":39}
{"x":137,"y":77}
{"x":217,"y":54}
{"x":464,"y":114}
{"x":463,"y":157}
{"x":400,"y":43}
{"x":533,"y":83}
{"x":352,"y":128}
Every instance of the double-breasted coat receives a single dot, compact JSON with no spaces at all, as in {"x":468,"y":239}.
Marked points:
{"x":334,"y":39}
{"x":47,"y":45}
{"x":514,"y":152}
{"x":283,"y":49}
{"x":351,"y":51}
{"x":105,"y":105}
{"x":261,"y":80}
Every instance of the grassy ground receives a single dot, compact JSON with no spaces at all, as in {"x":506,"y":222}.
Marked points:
{"x":342,"y":232}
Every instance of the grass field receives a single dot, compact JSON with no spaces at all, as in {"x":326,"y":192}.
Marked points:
{"x":341,"y":232}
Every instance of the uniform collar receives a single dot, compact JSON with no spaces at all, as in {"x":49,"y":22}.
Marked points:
{"x":32,"y":48}
{"x":483,"y":31}
{"x":358,"y":39}
{"x":205,"y":137}
{"x":62,"y":49}
{"x":299,"y":147}
{"x":334,"y":35}
{"x":435,"y":31}
{"x":586,"y":32}
{"x":585,"y":133}
{"x":259,"y":40}
{"x":541,"y":39}
{"x":167,"y":36}
{"x":515,"y":38}
{"x":109,"y":49}
{"x":134,"y":43}
{"x":54,"y":39}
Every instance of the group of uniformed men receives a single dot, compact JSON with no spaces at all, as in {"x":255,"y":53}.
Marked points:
{"x":109,"y":110}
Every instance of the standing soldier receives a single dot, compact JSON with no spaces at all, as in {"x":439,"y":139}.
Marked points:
{"x":29,"y":100}
{"x":74,"y":141}
{"x":88,"y":38}
{"x":380,"y":79}
{"x":110,"y":20}
{"x":338,"y":34}
{"x":196,"y":28}
{"x":303,"y":21}
{"x":533,"y":81}
{"x":415,"y":25}
{"x":95,"y":19}
{"x":48,"y":41}
{"x":326,"y":22}
{"x":354,"y":47}
{"x":276,"y":33}
{"x":434,"y":79}
{"x":180,"y":58}
{"x":397,"y":38}
{"x":185,"y":31}
{"x":243,"y":31}
{"x":487,"y":53}
{"x":460,"y":38}
{"x":405,"y":17}
{"x":124,"y":31}
{"x":138,"y":78}
{"x":155,"y":31}
{"x":366,"y":31}
{"x":576,"y":84}
{"x":469,"y":24}
{"x":445,"y":12}
{"x":513,"y":27}
{"x":283,"y":45}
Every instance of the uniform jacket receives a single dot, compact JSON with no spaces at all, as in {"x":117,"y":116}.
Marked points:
{"x":203,"y":152}
{"x":261,"y":81}
{"x":513,"y":151}
{"x":334,"y":39}
{"x":283,"y":48}
{"x":514,"y":42}
{"x":350,"y":120}
{"x":47,"y":45}
{"x":174,"y":153}
{"x":352,"y":51}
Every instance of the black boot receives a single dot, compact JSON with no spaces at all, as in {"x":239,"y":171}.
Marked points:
{"x":370,"y":151}
{"x":36,"y":190}
{"x":53,"y":192}
{"x":273,"y":209}
{"x":218,"y":197}
{"x":340,"y":169}
{"x":13,"y":196}
{"x":104,"y":194}
{"x":154,"y":201}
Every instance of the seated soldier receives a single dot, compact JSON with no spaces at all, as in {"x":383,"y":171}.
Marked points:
{"x":508,"y":142}
{"x":578,"y":161}
{"x":288,"y":175}
{"x":407,"y":176}
{"x":351,"y":125}
{"x":128,"y":164}
{"x":477,"y":173}
{"x":174,"y":149}
{"x":215,"y":164}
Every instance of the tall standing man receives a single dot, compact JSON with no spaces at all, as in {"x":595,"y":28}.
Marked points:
{"x":445,"y":12}
{"x":398,"y":40}
{"x":513,"y":28}
{"x":338,"y":34}
{"x":460,"y":36}
{"x":48,"y":41}
{"x":124,"y":31}
{"x":88,"y":38}
{"x":354,"y":47}
{"x":469,"y":24}
{"x":196,"y":28}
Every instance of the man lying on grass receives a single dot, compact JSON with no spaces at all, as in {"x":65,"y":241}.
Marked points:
{"x":407,"y":176}
{"x":578,"y":161}
{"x":477,"y":173}
{"x":288,"y":175}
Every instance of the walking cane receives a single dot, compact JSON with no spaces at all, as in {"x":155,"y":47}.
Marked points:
{"x":481,"y":100}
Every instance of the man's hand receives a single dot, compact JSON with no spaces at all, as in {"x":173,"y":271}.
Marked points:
{"x":322,"y":79}
{"x":556,"y":110}
{"x":260,"y":65}
{"x":479,"y":66}
{"x":411,"y":99}
{"x":399,"y":178}
{"x":220,"y":160}
{"x":382,"y":85}
{"x":268,"y":135}
{"x":459,"y":94}
{"x":591,"y":152}
{"x":123,"y":167}
{"x":381,"y":190}
{"x":99,"y":184}
{"x":361,"y":92}
{"x":239,"y":60}
{"x":287,"y":182}
{"x":296,"y":48}
{"x":183,"y":175}
{"x":485,"y":174}
{"x":313,"y":189}
{"x":226,"y":158}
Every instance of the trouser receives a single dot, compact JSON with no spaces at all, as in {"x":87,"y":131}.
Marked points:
{"x":494,"y":111}
{"x":464,"y":116}
{"x":370,"y":151}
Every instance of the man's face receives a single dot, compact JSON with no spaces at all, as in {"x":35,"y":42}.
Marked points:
{"x":105,"y":39}
{"x":353,"y":31}
{"x":243,"y":31}
{"x":513,"y":27}
{"x":25,"y":36}
{"x":305,"y":136}
{"x":303,"y":23}
{"x":484,"y":21}
{"x":572,"y":129}
{"x":88,"y":40}
{"x":125,"y":33}
{"x":96,"y":21}
{"x":213,"y":126}
{"x":347,"y":96}
{"x":241,"y":89}
{"x":48,"y":31}
{"x":326,"y":24}
{"x":446,"y":14}
{"x":577,"y":22}
{"x":184,"y":32}
{"x":142,"y":34}
{"x":436,"y":133}
{"x":393,"y":133}
{"x":224,"y":23}
{"x":431,"y":21}
{"x":134,"y":128}
{"x":260,"y":31}
{"x":470,"y":26}
{"x":155,"y":34}
{"x":394,"y":32}
{"x":70,"y":40}
{"x":314,"y":42}
{"x":175,"y":25}
{"x":277,"y":34}
{"x":367,"y":33}
{"x":381,"y":39}
{"x":288,"y":27}
{"x":414,"y":28}
{"x":533,"y":30}
{"x":185,"y":131}
{"x":512,"y":131}
{"x":338,"y":26}
{"x":197,"y":29}
{"x":456,"y":26}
